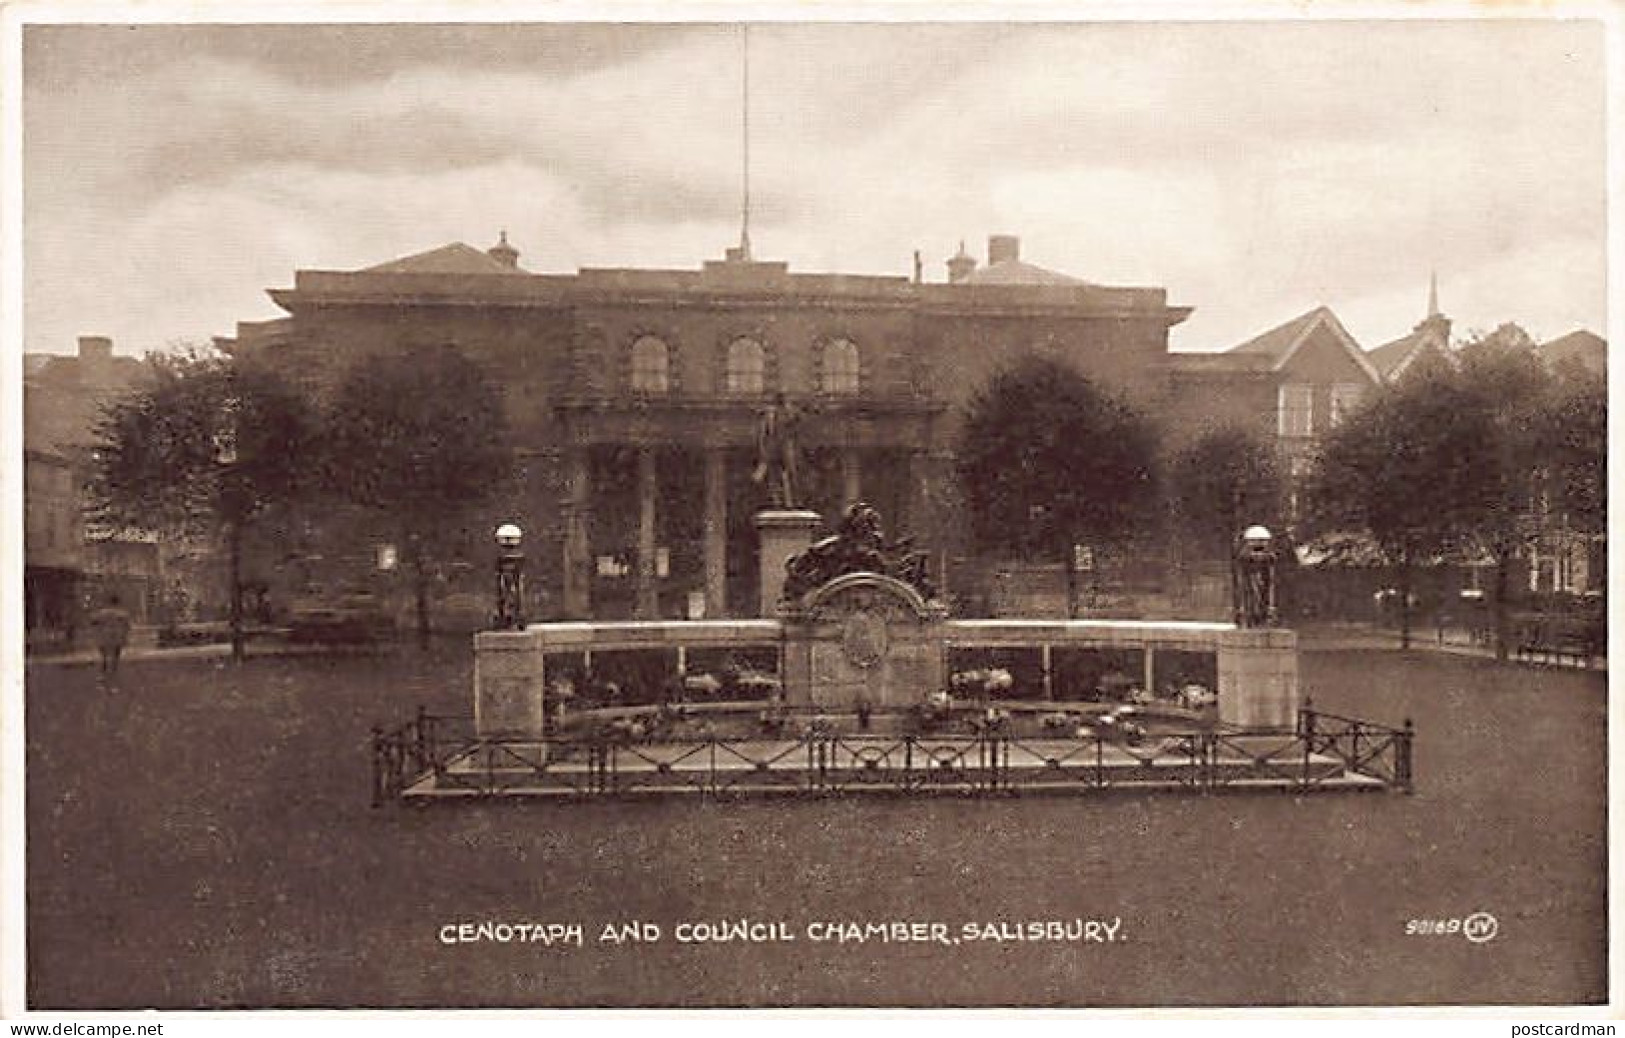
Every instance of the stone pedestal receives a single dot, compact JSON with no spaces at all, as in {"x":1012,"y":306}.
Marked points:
{"x":1258,"y":678}
{"x":510,"y":685}
{"x":781,"y":534}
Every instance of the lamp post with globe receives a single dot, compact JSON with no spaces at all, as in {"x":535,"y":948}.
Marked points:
{"x":1253,"y":578}
{"x":510,"y":614}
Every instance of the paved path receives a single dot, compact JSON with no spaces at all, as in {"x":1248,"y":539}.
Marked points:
{"x":1424,"y":639}
{"x":212,"y":651}
{"x":1313,"y":637}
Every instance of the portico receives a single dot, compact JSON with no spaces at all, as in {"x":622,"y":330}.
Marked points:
{"x":659,"y":499}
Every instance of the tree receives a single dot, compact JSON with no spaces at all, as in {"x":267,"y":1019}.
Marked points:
{"x":207,"y":447}
{"x":1224,"y":480}
{"x":1574,"y":448}
{"x":418,"y":437}
{"x":1394,"y":472}
{"x":1509,"y":394}
{"x":1047,"y":459}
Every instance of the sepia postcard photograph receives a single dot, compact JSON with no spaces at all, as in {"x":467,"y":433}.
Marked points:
{"x":880,"y":507}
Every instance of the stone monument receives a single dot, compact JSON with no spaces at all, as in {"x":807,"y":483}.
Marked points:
{"x":862,"y":641}
{"x":862,"y":627}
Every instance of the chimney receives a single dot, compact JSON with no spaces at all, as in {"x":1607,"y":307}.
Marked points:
{"x":1003,"y":248}
{"x":95,"y":348}
{"x":960,"y":265}
{"x":504,"y":253}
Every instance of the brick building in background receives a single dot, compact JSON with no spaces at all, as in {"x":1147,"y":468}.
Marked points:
{"x":70,"y":565}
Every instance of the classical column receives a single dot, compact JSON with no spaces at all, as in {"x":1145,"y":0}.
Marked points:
{"x":930,"y":493}
{"x":648,"y":606}
{"x":716,"y":532}
{"x":851,"y":478}
{"x":577,"y":550}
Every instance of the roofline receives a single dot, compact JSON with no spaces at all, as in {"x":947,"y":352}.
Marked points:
{"x":1324,"y":315}
{"x":549,"y":291}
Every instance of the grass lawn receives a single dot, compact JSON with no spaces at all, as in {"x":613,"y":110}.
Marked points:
{"x":202,"y":838}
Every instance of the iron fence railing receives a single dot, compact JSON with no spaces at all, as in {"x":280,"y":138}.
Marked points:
{"x":1377,"y":751}
{"x":443,"y":754}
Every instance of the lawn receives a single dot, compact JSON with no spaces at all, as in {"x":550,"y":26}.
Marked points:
{"x":202,"y":838}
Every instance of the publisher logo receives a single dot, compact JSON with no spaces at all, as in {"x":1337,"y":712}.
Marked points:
{"x":1480,"y":927}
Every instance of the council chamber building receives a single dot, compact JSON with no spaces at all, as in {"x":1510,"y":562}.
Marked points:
{"x":635,"y":397}
{"x":635,"y":401}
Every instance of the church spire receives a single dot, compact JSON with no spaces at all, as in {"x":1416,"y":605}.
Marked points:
{"x":1435,"y":324}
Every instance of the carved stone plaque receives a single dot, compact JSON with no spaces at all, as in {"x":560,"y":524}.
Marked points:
{"x":865,"y":639}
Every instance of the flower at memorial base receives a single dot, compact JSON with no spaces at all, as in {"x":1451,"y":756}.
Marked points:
{"x":983,"y":680}
{"x":1195,"y":697}
{"x":706,"y":684}
{"x":758,"y":683}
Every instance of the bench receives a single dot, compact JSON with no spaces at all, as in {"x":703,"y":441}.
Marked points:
{"x":1556,"y":639}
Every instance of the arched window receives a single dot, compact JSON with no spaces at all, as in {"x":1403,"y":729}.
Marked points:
{"x":651,"y":365}
{"x":840,"y":366}
{"x":747,"y":361}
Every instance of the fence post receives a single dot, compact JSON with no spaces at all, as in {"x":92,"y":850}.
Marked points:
{"x":1308,"y":746}
{"x":1210,"y":760}
{"x":377,"y":766}
{"x":429,"y":736}
{"x":1402,"y":757}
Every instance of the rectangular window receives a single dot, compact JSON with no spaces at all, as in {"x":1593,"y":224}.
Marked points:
{"x":1297,"y":410}
{"x":1345,"y":398}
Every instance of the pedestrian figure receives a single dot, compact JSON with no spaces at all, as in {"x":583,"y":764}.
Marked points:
{"x":110,"y":627}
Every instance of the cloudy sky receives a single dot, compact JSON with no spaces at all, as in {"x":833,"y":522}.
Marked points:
{"x":172,"y":174}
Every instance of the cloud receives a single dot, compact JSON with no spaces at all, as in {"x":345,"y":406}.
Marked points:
{"x":59,"y":56}
{"x":1253,"y":169}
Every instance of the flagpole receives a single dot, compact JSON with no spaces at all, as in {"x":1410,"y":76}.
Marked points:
{"x":744,"y":98}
